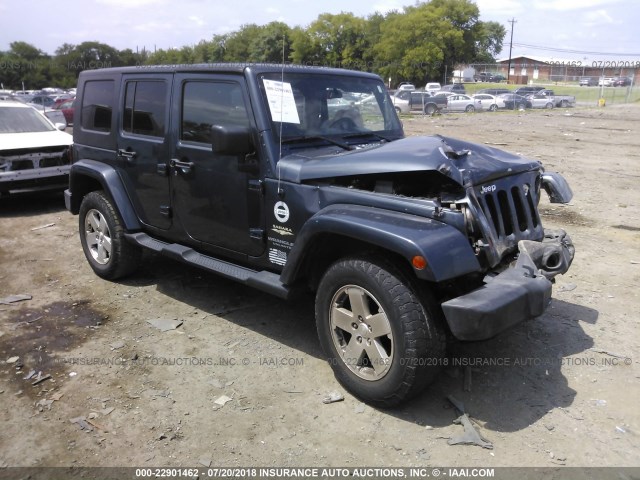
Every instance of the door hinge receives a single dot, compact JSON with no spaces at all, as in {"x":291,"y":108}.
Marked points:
{"x":162,"y":169}
{"x":165,"y":211}
{"x":256,"y":186}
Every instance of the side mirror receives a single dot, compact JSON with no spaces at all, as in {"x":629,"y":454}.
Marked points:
{"x":60,"y":126}
{"x":231,"y":140}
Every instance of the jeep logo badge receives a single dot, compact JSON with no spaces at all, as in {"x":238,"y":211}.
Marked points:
{"x":488,"y":188}
{"x":281,"y":211}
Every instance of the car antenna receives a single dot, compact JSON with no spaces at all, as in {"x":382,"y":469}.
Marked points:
{"x":280,"y":192}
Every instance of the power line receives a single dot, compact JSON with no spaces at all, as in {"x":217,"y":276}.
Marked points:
{"x":566,"y":50}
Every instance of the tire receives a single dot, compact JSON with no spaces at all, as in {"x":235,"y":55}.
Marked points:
{"x":102,"y":238}
{"x":430,"y":109}
{"x":470,"y":109}
{"x":493,"y":108}
{"x":398,"y":111}
{"x":564,"y":104}
{"x":549,"y":105}
{"x":390,"y":325}
{"x":520,"y":106}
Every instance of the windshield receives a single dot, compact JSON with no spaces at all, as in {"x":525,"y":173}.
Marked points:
{"x":22,"y":120}
{"x":336,"y":109}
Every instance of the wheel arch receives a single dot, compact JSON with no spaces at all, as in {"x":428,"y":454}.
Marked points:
{"x":87,"y":176}
{"x":342,"y":230}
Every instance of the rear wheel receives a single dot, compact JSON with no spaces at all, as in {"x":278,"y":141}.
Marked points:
{"x":102,"y":238}
{"x":382,"y":338}
{"x":398,"y":111}
{"x":430,"y":109}
{"x":564,"y":104}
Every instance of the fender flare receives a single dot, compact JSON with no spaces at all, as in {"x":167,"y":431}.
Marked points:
{"x":110,"y":182}
{"x":446,"y":249}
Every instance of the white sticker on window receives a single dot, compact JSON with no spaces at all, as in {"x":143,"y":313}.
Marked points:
{"x":281,"y":101}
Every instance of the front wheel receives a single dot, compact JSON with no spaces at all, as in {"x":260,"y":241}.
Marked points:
{"x":493,"y":108}
{"x":470,"y":108}
{"x":102,"y":238}
{"x":382,"y":338}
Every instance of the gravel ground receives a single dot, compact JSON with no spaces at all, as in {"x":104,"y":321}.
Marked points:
{"x":241,"y":381}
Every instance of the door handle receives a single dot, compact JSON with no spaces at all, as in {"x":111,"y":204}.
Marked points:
{"x":184,"y":167}
{"x":127,"y":154}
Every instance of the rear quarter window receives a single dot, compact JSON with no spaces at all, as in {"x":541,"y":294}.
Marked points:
{"x":97,"y":105}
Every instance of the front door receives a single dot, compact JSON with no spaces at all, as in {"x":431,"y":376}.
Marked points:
{"x":216,"y":198}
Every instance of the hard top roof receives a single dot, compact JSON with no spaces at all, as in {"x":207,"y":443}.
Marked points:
{"x":255,"y":68}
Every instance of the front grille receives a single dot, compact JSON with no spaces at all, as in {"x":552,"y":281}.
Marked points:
{"x":511,"y":212}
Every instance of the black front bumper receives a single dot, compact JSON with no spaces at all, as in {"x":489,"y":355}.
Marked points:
{"x":521,"y":292}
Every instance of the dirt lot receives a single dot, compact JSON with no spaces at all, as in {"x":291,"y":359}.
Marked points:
{"x":561,"y":390}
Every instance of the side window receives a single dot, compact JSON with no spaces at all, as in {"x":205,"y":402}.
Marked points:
{"x":145,"y":108}
{"x":210,"y":103}
{"x":96,"y":105}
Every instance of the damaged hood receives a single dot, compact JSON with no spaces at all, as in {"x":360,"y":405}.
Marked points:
{"x":464,"y":162}
{"x":31,"y":140}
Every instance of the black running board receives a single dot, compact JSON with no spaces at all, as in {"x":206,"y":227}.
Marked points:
{"x":261,"y":279}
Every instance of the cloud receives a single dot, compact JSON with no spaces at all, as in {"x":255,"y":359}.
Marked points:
{"x":495,"y":8}
{"x":197,"y":20}
{"x":568,"y":5}
{"x":597,"y":17}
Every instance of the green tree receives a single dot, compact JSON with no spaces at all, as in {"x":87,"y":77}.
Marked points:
{"x":334,"y":40}
{"x":428,"y":39}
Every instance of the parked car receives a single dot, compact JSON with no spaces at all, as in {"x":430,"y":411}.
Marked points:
{"x":559,"y":100}
{"x":494,"y":91}
{"x":486,"y":101}
{"x":454,"y":88}
{"x":42,"y":100}
{"x":527,"y":90}
{"x":462,"y":103}
{"x":241,"y":171}
{"x":420,"y":101}
{"x":606,"y":82}
{"x":432,"y":87}
{"x":34,"y":153}
{"x":622,"y":82}
{"x":67,"y":109}
{"x":588,"y":82}
{"x":513,"y":101}
{"x":406,"y":87}
{"x":538,"y":100}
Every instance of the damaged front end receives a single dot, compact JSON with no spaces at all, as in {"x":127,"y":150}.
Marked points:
{"x":523,"y":257}
{"x":33,"y":168}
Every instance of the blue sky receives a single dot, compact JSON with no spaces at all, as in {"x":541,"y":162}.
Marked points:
{"x":605,"y":26}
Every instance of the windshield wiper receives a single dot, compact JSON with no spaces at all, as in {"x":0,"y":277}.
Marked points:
{"x":368,"y":134}
{"x":301,"y":139}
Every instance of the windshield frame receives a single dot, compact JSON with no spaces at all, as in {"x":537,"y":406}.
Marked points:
{"x":347,"y":92}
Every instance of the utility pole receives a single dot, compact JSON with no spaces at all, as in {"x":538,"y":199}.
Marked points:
{"x":512,"y":21}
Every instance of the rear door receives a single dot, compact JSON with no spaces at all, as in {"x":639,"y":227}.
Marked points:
{"x":143,"y":147}
{"x":216,"y":198}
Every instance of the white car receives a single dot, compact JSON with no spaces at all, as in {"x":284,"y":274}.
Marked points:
{"x":487,"y":102}
{"x":432,"y":87}
{"x":540,"y":101}
{"x":34,"y":153}
{"x":462,"y":103}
